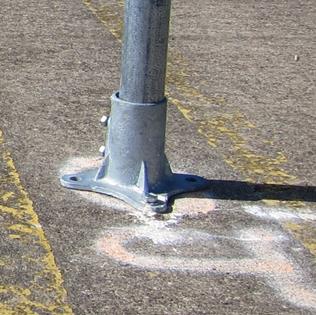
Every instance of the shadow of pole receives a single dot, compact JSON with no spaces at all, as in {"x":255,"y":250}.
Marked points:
{"x":239,"y":190}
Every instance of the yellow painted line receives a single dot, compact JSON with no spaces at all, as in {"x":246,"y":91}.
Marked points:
{"x":7,"y":195}
{"x":305,"y":232}
{"x":225,"y":126}
{"x":109,"y":15}
{"x":43,"y":290}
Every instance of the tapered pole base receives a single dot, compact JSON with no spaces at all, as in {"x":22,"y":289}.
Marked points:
{"x":135,"y":168}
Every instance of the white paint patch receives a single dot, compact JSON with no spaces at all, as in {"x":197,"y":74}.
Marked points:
{"x":280,"y":214}
{"x":265,"y":257}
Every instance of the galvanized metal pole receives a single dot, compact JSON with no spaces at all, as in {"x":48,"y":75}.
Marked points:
{"x":145,"y":50}
{"x":135,"y":167}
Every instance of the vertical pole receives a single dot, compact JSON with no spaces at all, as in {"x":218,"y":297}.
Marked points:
{"x":138,"y":116}
{"x":144,"y":57}
{"x":135,"y":167}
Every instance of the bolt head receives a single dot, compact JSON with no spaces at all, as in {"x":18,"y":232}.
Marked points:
{"x":102,"y":150}
{"x":104,"y":120}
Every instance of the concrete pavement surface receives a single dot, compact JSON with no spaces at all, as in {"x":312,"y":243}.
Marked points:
{"x":241,"y":89}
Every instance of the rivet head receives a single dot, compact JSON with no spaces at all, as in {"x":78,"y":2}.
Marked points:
{"x":104,"y":120}
{"x":102,"y":150}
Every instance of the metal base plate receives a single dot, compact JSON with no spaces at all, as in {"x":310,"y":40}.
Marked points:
{"x":157,"y":201}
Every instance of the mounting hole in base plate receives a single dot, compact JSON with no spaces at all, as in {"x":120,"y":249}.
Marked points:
{"x":191,"y":179}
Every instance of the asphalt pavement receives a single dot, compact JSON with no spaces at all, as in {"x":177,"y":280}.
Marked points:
{"x":241,"y":113}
